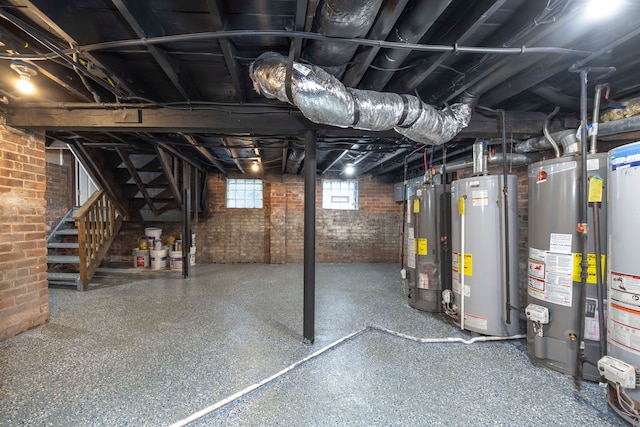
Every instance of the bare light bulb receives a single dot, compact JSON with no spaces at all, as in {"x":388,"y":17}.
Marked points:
{"x":349,"y":170}
{"x":25,"y":86}
{"x":255,"y":167}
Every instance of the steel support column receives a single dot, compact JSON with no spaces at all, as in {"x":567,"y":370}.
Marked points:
{"x":186,"y":218}
{"x":309,"y":235}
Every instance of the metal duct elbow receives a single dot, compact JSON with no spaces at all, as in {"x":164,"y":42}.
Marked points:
{"x":324,"y":99}
{"x":339,"y":18}
{"x":567,"y":138}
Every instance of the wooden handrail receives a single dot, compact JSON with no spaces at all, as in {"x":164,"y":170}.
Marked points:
{"x":97,"y":221}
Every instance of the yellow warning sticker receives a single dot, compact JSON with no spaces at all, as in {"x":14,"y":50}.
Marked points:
{"x":461,"y":205}
{"x":591,"y":270}
{"x":468,"y":263}
{"x":422,"y":247}
{"x":595,"y":189}
{"x":416,"y":205}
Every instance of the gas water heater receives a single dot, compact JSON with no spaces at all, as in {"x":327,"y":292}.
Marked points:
{"x":483,"y":300}
{"x":428,"y":276}
{"x":554,"y":271}
{"x":620,"y":366}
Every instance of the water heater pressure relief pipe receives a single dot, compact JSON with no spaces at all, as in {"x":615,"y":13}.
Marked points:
{"x":461,"y":263}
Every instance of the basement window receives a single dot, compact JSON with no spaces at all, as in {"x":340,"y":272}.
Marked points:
{"x":340,"y":194}
{"x":244,"y":193}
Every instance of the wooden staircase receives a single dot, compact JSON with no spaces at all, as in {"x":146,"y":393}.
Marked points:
{"x":79,"y":243}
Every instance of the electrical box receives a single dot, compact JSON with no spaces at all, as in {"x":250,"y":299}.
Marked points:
{"x":537,"y":313}
{"x":617,"y":371}
{"x":403,"y":274}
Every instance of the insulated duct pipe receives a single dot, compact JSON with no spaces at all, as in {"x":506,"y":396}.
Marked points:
{"x":339,"y":18}
{"x":323,"y":99}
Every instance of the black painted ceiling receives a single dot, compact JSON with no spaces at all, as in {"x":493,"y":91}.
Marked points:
{"x":131,"y":73}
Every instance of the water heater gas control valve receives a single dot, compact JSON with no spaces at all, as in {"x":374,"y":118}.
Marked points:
{"x":617,"y":371}
{"x":537,"y":313}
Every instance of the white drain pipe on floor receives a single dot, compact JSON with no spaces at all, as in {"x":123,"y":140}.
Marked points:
{"x":247,"y":390}
{"x":447,"y":339}
{"x":255,"y":386}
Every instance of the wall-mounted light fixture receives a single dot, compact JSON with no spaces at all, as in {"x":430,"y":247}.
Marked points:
{"x":25,"y":71}
{"x":255,"y":166}
{"x":349,"y":169}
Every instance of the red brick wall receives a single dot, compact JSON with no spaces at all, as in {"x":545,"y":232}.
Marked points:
{"x":275,"y":233}
{"x":24,"y":294}
{"x":58,"y":195}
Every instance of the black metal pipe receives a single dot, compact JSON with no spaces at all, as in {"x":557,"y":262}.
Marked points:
{"x":186,"y":218}
{"x":584,"y":208}
{"x":505,"y":195}
{"x":309,"y":236}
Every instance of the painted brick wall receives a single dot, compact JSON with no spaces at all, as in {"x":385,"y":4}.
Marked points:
{"x":24,"y":294}
{"x":58,"y":195}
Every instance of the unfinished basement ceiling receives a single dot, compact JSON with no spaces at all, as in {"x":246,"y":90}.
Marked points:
{"x":133,"y":75}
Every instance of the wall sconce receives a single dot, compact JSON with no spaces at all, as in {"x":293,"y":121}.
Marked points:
{"x":349,"y":169}
{"x":255,"y":166}
{"x":25,"y":71}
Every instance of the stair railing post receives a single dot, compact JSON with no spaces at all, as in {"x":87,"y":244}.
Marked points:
{"x":82,"y":251}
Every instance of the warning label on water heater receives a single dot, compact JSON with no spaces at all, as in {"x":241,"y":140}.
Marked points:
{"x":480,"y":197}
{"x":550,"y":276}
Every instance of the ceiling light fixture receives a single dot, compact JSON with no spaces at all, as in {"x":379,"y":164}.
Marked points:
{"x":25,"y":71}
{"x":255,"y":166}
{"x":599,"y":9}
{"x":349,"y":170}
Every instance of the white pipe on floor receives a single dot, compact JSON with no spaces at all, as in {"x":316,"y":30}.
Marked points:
{"x":255,"y":386}
{"x":289,"y":368}
{"x":447,"y":339}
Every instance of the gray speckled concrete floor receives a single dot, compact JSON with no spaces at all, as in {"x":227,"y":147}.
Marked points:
{"x":152,"y":349}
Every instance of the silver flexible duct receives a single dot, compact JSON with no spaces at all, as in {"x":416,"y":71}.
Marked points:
{"x":324,"y":99}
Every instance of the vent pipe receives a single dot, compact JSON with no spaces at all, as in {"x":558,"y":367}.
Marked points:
{"x":324,"y":99}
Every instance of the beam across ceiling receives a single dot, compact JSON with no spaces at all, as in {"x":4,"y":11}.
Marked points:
{"x":279,"y":123}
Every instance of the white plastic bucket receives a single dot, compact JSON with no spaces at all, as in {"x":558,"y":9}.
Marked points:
{"x":158,"y":259}
{"x":192,"y":256}
{"x":140,"y":258}
{"x":153,"y":233}
{"x":176,"y":260}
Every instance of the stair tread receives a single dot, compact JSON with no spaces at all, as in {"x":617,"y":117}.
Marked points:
{"x":63,"y":259}
{"x":68,"y":232}
{"x":63,"y":245}
{"x":63,"y":276}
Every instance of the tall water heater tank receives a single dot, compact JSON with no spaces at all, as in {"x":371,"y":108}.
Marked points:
{"x":555,"y":253}
{"x":485,"y":300}
{"x":623,"y":268}
{"x":427,"y":281}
